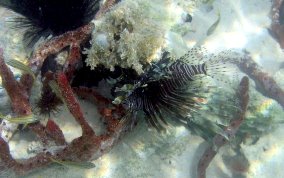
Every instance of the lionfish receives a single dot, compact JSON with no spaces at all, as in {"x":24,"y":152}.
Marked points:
{"x":175,"y":88}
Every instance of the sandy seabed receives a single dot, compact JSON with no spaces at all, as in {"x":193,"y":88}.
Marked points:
{"x":143,"y":153}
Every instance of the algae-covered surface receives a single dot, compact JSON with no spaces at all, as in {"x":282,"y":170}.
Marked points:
{"x":257,"y":148}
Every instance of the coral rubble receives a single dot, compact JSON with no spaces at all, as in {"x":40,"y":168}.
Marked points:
{"x":88,"y":146}
{"x":277,"y":26}
{"x":264,"y":82}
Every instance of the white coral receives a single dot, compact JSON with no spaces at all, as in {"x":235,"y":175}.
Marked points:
{"x":132,"y":34}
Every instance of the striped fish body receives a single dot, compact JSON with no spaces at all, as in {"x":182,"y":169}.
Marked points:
{"x":157,"y":97}
{"x":169,"y":89}
{"x":182,"y":73}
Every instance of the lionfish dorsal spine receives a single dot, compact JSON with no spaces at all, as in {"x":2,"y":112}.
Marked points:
{"x":186,"y":72}
{"x":174,"y":88}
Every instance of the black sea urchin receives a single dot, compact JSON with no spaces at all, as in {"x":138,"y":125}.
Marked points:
{"x":42,"y":18}
{"x":48,"y":103}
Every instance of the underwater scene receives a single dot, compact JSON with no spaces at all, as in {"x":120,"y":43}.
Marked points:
{"x":141,"y":88}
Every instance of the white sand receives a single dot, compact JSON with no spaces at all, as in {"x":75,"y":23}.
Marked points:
{"x":144,"y":153}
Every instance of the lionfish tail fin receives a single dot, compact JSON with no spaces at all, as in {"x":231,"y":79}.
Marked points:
{"x":222,"y":66}
{"x":181,"y":89}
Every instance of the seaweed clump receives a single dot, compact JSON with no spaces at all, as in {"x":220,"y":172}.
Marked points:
{"x":130,"y":35}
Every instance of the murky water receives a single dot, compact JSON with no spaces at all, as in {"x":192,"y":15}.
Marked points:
{"x":133,"y":34}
